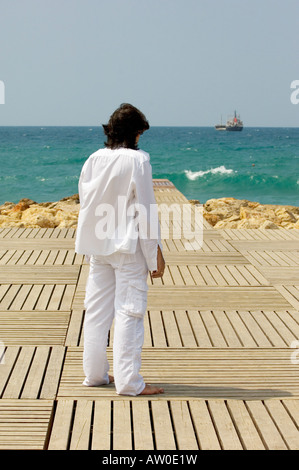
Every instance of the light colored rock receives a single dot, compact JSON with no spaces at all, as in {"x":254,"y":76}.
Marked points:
{"x":28,"y":213}
{"x":267,"y":224}
{"x":241,"y":213}
{"x":226,"y":212}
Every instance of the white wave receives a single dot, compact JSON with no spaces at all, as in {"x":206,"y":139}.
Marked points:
{"x":193,"y":175}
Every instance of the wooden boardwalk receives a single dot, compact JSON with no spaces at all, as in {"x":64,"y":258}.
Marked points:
{"x":221,"y":336}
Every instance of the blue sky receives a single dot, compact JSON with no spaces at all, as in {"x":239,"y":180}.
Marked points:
{"x":182,"y":62}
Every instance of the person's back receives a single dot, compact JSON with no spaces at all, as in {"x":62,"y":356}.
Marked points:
{"x":116,"y":194}
{"x":119,"y":231}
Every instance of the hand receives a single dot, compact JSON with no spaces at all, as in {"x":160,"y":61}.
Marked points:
{"x":160,"y":264}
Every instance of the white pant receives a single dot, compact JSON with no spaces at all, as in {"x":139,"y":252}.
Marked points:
{"x":116,"y":289}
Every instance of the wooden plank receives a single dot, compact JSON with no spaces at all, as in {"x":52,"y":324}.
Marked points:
{"x":60,"y":433}
{"x":81,"y":426}
{"x":286,"y":335}
{"x":162,"y":426}
{"x":289,"y":245}
{"x":186,"y":276}
{"x":75,"y":326}
{"x":101,"y":435}
{"x":32,"y":297}
{"x":143,"y":435}
{"x":31,"y":372}
{"x":289,"y":320}
{"x":38,"y":243}
{"x":24,"y":424}
{"x":212,"y":327}
{"x":247,"y":339}
{"x":284,"y":423}
{"x":197,"y":276}
{"x":176,"y":275}
{"x":19,"y":373}
{"x":207,"y":275}
{"x":53,"y":372}
{"x":10,"y":357}
{"x":56,"y":297}
{"x":171,"y":329}
{"x":215,"y":297}
{"x":9,"y":297}
{"x":248,"y":434}
{"x":157,"y":328}
{"x":271,"y":333}
{"x":147,"y":332}
{"x":292,"y":406}
{"x":256,"y":331}
{"x":183,"y":426}
{"x":199,"y":329}
{"x":186,"y":373}
{"x":185,"y":329}
{"x":39,"y":275}
{"x":268,"y":431}
{"x":122,"y":430}
{"x":286,"y":275}
{"x":226,"y":329}
{"x":224,"y":425}
{"x":33,"y":328}
{"x":290,"y":293}
{"x":44,"y":297}
{"x":203,"y":425}
{"x":20,"y":298}
{"x":36,"y":373}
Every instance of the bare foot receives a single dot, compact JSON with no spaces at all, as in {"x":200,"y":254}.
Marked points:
{"x":111,"y":378}
{"x":150,"y":390}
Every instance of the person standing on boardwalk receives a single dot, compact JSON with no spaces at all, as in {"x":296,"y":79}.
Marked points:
{"x":119,"y":233}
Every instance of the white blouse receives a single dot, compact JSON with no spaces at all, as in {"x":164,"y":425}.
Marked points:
{"x":117,"y":205}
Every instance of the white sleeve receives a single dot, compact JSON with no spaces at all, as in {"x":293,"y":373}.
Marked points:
{"x":149,"y":225}
{"x":80,"y":186}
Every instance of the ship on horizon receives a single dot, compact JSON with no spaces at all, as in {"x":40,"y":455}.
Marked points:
{"x":232,"y":124}
{"x":220,"y":127}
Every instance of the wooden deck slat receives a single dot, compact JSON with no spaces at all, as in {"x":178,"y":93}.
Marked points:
{"x":284,"y":423}
{"x":183,"y":426}
{"x":203,"y":373}
{"x":162,"y":426}
{"x":290,"y":293}
{"x":37,"y":297}
{"x":34,"y":328}
{"x":226,"y":431}
{"x":101,"y":436}
{"x":122,"y":434}
{"x":281,"y":275}
{"x":39,"y":275}
{"x":211,"y":424}
{"x":207,"y":328}
{"x":142,"y":428}
{"x":24,"y":424}
{"x":245,"y":427}
{"x":230,"y":297}
{"x":269,"y":432}
{"x":32,"y":371}
{"x":255,"y":245}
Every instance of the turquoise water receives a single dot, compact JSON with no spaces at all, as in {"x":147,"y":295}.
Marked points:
{"x":259,"y":164}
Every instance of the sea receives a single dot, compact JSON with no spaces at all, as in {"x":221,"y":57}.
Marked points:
{"x":257,"y":164}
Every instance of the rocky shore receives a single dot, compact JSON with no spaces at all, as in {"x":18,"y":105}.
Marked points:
{"x":226,"y":212}
{"x":28,"y":213}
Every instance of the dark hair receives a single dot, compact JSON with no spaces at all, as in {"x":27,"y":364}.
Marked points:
{"x":123,"y":127}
